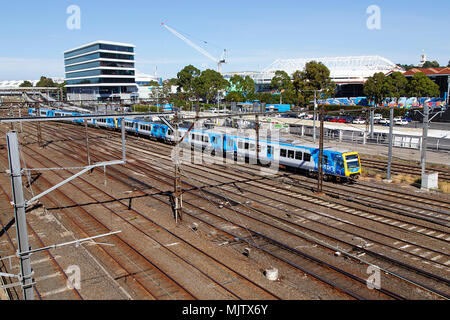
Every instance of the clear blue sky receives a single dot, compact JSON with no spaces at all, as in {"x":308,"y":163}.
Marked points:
{"x":255,"y":32}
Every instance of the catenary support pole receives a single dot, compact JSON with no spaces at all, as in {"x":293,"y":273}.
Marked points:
{"x":178,"y":192}
{"x":124,"y":154}
{"x":391,"y":142}
{"x":19,"y":214}
{"x":320,"y":177}
{"x":315,"y":115}
{"x":426,"y":116}
{"x":372,"y":121}
{"x":258,"y":148}
{"x":87,"y":142}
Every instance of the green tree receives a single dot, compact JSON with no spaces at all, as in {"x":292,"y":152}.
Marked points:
{"x":377,"y":88}
{"x":209,"y":84}
{"x":266,"y":97}
{"x":62,"y":87}
{"x":236,"y":84}
{"x":431,"y":64}
{"x":422,"y":86}
{"x":315,"y":77}
{"x":152,"y":83}
{"x":249,"y":86}
{"x":26,"y":84}
{"x":234,"y":96}
{"x":397,"y":85}
{"x":186,"y":80}
{"x":282,"y":83}
{"x":406,"y":66}
{"x":46,"y":83}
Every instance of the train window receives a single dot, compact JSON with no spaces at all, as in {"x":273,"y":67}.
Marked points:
{"x":299,"y":155}
{"x":291,"y":154}
{"x":252,"y":147}
{"x":213,"y":139}
{"x":283,"y":153}
{"x":307,"y":157}
{"x":247,"y":146}
{"x":269,"y":149}
{"x":230,"y":143}
{"x":170,"y":132}
{"x":241,"y":145}
{"x":205,"y":138}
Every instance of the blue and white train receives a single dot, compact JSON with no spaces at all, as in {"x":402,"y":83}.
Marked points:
{"x":337,"y":163}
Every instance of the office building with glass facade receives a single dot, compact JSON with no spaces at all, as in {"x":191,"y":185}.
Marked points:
{"x":101,"y":71}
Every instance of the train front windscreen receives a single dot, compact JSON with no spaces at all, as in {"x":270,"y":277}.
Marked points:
{"x":352,"y":161}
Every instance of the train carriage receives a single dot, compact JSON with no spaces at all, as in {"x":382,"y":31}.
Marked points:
{"x":290,"y":154}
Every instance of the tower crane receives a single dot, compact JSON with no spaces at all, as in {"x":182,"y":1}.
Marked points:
{"x":220,"y":61}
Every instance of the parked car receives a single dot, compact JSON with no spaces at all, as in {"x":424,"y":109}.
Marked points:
{"x":338,"y":120}
{"x":383,"y":121}
{"x":349,"y":119}
{"x":359,"y":121}
{"x":400,"y":122}
{"x":377,"y":116}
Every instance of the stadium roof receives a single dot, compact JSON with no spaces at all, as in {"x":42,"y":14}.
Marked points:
{"x":354,"y":69}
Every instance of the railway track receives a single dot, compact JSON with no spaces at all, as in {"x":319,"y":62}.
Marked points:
{"x":235,"y":295}
{"x":400,"y":168}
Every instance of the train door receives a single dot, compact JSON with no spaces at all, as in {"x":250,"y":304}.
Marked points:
{"x":340,"y":170}
{"x":224,"y":146}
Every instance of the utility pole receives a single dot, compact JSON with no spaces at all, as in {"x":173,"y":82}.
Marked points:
{"x":87,"y":143}
{"x":372,"y":122}
{"x":315,"y":111}
{"x":257,"y":138}
{"x":26,"y":274}
{"x":423,"y":157}
{"x":178,"y":192}
{"x":39,"y":132}
{"x":391,"y":142}
{"x":320,"y":178}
